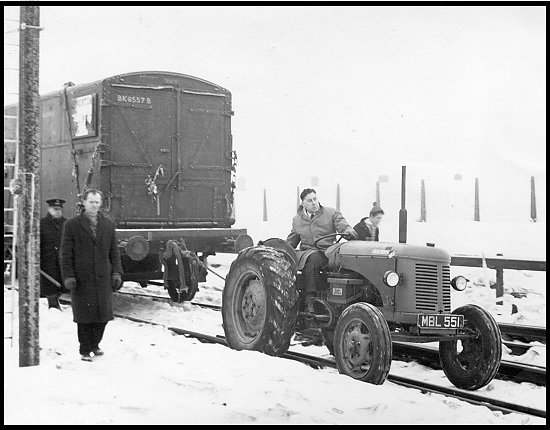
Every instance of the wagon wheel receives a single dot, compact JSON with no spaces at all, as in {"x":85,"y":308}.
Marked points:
{"x":179,"y":271}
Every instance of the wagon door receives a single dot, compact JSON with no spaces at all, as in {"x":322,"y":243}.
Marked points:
{"x":140,"y":132}
{"x":170,"y":155}
{"x":205,"y":157}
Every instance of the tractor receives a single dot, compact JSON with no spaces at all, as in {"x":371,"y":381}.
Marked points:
{"x":372,"y":293}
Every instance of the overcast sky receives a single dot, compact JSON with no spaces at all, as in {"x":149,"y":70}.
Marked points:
{"x":342,"y":93}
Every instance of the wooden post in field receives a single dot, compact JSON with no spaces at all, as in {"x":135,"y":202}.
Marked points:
{"x":338,"y":197}
{"x":265,"y":206}
{"x":422,"y":202}
{"x":476,"y":201}
{"x":533,"y":201}
{"x":499,"y":284}
{"x":28,"y":236}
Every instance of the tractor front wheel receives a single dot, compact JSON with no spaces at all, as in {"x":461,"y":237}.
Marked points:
{"x":472,"y":363}
{"x":362,"y":344}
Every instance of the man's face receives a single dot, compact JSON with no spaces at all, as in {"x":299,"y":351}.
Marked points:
{"x":376,"y":219}
{"x":55,"y":211}
{"x":92,"y":203}
{"x":310,"y":203}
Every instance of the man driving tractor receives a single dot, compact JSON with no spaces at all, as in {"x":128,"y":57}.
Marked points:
{"x":313,"y":221}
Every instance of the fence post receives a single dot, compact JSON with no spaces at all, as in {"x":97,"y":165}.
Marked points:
{"x":499,"y":285}
{"x":265,"y":206}
{"x":338,"y":197}
{"x":533,"y":201}
{"x":378,"y":192}
{"x":422,"y":202}
{"x":476,"y":201}
{"x":298,"y":201}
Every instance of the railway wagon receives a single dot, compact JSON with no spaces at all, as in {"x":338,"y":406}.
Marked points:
{"x":159,"y":147}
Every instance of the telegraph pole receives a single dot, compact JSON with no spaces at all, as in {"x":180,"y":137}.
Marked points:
{"x":28,"y":252}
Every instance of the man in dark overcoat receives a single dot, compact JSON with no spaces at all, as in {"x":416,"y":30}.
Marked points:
{"x":91,"y":269}
{"x":51,"y":227}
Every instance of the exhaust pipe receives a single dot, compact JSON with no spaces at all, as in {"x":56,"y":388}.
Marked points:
{"x":403,"y":211}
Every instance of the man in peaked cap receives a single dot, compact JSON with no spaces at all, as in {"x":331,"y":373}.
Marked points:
{"x":51,"y":228}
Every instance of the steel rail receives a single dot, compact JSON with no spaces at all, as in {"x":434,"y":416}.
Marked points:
{"x":530,"y":333}
{"x":508,"y":369}
{"x":319,"y":362}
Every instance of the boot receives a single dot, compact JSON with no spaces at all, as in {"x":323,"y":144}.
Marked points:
{"x":53,"y":302}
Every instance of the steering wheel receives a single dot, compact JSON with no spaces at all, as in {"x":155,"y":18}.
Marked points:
{"x":331,"y":235}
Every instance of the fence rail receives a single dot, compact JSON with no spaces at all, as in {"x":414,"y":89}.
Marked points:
{"x":498,"y":263}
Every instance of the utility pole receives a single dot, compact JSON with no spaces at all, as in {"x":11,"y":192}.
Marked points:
{"x":28,"y":252}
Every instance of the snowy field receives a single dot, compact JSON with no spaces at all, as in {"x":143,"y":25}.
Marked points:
{"x":149,"y":375}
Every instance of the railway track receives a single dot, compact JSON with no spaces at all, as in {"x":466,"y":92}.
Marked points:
{"x":429,"y":356}
{"x":515,"y":337}
{"x":319,"y":362}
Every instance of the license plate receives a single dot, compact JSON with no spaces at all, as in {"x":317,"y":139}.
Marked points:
{"x":440,"y":321}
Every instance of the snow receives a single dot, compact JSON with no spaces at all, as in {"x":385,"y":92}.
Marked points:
{"x":149,"y":375}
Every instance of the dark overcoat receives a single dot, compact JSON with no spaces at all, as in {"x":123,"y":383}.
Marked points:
{"x":363,"y":231}
{"x":50,"y":244}
{"x":92,"y":261}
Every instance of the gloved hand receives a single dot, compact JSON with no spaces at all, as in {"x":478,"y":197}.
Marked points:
{"x":117,"y":281}
{"x":70,"y":283}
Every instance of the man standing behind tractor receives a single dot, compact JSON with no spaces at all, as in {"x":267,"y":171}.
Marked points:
{"x":51,"y":227}
{"x":312,"y":222}
{"x":91,"y":269}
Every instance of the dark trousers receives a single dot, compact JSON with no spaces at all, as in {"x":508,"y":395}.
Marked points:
{"x":312,"y":278}
{"x":89,"y":336}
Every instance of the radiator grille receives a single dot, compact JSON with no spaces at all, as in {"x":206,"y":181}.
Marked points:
{"x":431,"y":294}
{"x":446,"y":278}
{"x":426,"y":287}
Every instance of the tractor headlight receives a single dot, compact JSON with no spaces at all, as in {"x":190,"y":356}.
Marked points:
{"x":459,"y":283}
{"x":391,"y":278}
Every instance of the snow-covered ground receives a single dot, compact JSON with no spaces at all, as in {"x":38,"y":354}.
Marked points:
{"x":149,"y":375}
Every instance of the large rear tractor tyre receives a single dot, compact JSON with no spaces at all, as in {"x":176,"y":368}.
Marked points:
{"x":471,"y":364}
{"x":362,"y":344}
{"x":260,"y":301}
